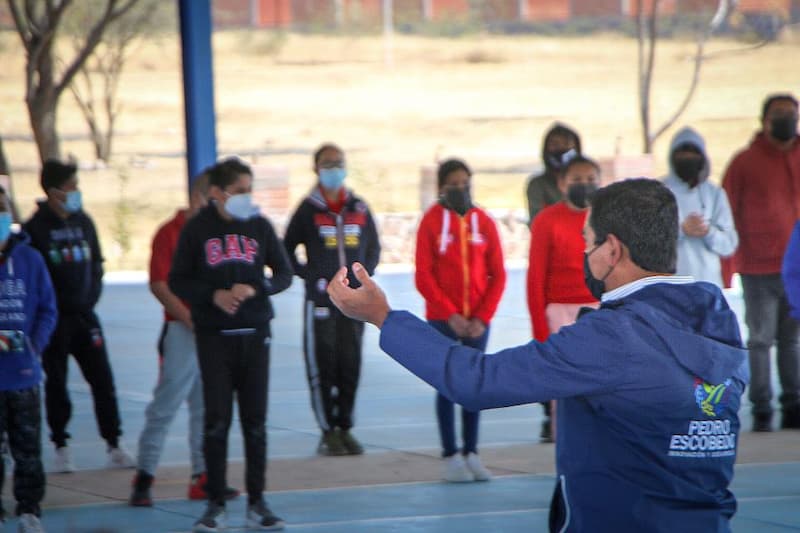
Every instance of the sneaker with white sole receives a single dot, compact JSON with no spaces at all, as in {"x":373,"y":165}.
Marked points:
{"x":29,"y":523}
{"x":120,"y":457}
{"x":259,"y":516}
{"x":456,"y":471}
{"x":212,"y":520}
{"x":476,"y":467}
{"x":62,"y":462}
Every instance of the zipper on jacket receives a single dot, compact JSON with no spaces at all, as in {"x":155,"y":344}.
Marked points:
{"x":462,"y":225}
{"x":340,"y":240}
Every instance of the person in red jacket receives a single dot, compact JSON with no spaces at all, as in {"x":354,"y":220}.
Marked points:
{"x":556,"y":288}
{"x":763,"y":186}
{"x":461,"y":275}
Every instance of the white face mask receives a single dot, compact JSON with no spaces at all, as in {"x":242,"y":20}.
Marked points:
{"x":240,"y":206}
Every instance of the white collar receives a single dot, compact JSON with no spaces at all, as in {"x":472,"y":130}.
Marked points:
{"x":633,"y":286}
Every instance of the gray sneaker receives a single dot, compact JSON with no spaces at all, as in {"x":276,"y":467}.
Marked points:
{"x":212,"y":520}
{"x":260,"y":517}
{"x":350,"y":443}
{"x":331,"y":444}
{"x":29,"y":523}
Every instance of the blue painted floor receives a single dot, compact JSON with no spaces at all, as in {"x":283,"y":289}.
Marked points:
{"x":768,"y":502}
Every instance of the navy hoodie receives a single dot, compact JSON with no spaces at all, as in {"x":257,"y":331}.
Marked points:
{"x":213,"y":253}
{"x":649,"y":388}
{"x":28,"y":314}
{"x":72,"y":252}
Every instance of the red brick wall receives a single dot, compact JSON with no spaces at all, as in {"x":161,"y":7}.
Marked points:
{"x":548,"y":10}
{"x":274,"y":13}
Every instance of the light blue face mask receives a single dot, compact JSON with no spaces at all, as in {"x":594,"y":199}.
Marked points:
{"x":240,"y":206}
{"x":74,"y":202}
{"x":332,"y":178}
{"x":5,"y":226}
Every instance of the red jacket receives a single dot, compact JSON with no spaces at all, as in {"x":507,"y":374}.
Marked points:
{"x":763,"y":186}
{"x":459,"y":264}
{"x":163,"y":248}
{"x":555,"y":264}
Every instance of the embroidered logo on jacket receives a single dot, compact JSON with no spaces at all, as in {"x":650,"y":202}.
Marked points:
{"x":238,"y":248}
{"x":711,"y":398}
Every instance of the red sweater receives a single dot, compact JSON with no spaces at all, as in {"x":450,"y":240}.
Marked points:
{"x":459,"y":264}
{"x":164,"y":244}
{"x":763,"y":186}
{"x":555,"y":264}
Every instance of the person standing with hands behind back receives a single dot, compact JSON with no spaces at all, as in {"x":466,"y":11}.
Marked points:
{"x":336,"y":229}
{"x":460,"y":273}
{"x":218,"y":268}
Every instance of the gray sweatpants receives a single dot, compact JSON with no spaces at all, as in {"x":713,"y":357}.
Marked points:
{"x":179,"y":381}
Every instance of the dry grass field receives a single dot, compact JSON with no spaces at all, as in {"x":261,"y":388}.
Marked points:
{"x":485,"y":98}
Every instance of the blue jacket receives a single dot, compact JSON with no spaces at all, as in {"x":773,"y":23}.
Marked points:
{"x":28,"y":314}
{"x":648,"y":387}
{"x":791,"y":272}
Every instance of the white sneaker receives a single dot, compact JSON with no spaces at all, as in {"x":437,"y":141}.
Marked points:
{"x":476,"y":467}
{"x":29,"y":523}
{"x":62,"y":463}
{"x":120,"y":457}
{"x":456,"y":471}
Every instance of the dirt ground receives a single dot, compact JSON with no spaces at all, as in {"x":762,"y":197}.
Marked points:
{"x":394,"y":109}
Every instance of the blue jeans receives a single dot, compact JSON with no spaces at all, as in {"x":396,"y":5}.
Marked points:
{"x":445,"y":410}
{"x":768,"y":322}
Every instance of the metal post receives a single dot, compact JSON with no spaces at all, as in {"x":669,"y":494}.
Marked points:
{"x":198,"y":84}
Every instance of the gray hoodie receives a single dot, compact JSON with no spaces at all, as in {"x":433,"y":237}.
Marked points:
{"x":699,"y":256}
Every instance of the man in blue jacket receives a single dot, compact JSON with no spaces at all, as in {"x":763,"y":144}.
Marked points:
{"x":28,"y":317}
{"x":648,"y":385}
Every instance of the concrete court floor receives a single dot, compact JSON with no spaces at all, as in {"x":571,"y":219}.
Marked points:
{"x":395,"y":484}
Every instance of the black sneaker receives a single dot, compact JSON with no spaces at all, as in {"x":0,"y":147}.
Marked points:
{"x":546,"y":435}
{"x":350,"y":443}
{"x":260,"y":517}
{"x":140,"y":495}
{"x":762,"y":422}
{"x":331,"y":444}
{"x":212,"y":520}
{"x":791,"y":418}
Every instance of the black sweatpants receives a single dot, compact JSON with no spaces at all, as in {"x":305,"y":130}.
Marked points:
{"x":81,"y":336}
{"x":240,"y":364}
{"x":332,"y":346}
{"x":21,"y":419}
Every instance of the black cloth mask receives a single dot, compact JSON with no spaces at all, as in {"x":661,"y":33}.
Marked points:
{"x":459,"y":200}
{"x":597,"y":287}
{"x":578,"y":194}
{"x":783,"y":128}
{"x":557,"y":159}
{"x":689,"y":169}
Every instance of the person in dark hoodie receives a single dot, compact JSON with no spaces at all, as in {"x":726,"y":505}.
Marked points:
{"x":28,"y":317}
{"x":560,"y":144}
{"x":336,"y":229}
{"x":218,"y":269}
{"x":649,"y":385}
{"x":66,"y":237}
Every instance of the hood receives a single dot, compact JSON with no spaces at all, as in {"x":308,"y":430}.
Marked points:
{"x":696,"y":323}
{"x":316,"y":198}
{"x":559,"y":129}
{"x":13,"y":240}
{"x":689,"y":136}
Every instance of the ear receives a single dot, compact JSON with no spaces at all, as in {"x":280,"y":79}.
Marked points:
{"x":617,"y":248}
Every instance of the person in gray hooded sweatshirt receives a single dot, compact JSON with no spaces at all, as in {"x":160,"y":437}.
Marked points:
{"x":706,"y":231}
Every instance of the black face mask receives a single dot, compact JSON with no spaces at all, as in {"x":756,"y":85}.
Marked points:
{"x":459,"y":200}
{"x":783,"y":128}
{"x":689,"y":169}
{"x":596,"y":286}
{"x":578,"y":194}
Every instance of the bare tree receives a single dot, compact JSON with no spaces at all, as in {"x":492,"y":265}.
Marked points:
{"x":95,"y":87}
{"x":647,"y":32}
{"x":37,"y":23}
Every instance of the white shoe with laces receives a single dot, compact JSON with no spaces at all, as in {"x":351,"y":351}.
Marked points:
{"x":62,"y":463}
{"x":120,"y":457}
{"x":29,"y":523}
{"x":476,"y":467}
{"x":456,"y":471}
